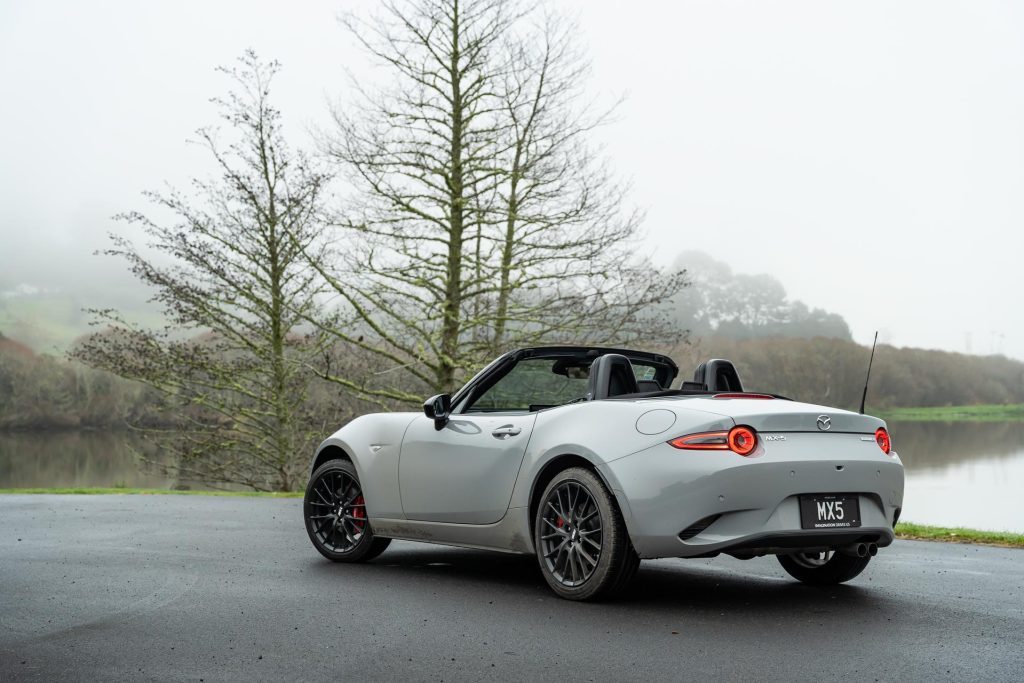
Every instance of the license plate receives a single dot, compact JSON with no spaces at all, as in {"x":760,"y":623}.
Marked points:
{"x":829,"y":511}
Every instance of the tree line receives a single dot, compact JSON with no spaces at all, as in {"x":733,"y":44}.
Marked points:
{"x":48,"y":392}
{"x":832,"y":372}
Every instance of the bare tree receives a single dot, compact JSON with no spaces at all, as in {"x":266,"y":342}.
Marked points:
{"x":566,"y":270}
{"x":230,"y":272}
{"x":481,"y":218}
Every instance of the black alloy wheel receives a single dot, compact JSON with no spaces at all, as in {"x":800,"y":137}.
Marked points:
{"x":572,"y":543}
{"x":582,"y":544}
{"x":335,"y":512}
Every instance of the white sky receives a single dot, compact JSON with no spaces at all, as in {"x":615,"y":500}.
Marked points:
{"x":868,"y":154}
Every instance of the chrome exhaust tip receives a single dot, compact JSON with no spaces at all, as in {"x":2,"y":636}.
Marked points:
{"x":855,"y":550}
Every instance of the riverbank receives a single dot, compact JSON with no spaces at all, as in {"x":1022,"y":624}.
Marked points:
{"x":1013,"y":412}
{"x":919,"y":532}
{"x":154,"y":492}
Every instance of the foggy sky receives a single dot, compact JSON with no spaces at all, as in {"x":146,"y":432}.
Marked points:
{"x":870,"y":155}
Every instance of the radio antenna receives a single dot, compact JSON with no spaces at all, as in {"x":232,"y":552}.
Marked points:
{"x":864,"y":396}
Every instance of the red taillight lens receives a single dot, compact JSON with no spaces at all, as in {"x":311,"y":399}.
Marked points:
{"x":883,"y":441}
{"x":741,"y":440}
{"x":705,"y":441}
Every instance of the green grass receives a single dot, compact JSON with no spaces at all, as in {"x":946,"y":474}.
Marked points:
{"x":120,"y":490}
{"x":981,"y":413}
{"x":958,"y":535}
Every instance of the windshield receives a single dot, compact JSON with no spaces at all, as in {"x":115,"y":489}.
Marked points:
{"x":535,"y":383}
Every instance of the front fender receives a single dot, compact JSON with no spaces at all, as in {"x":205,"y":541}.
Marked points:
{"x":372,"y":442}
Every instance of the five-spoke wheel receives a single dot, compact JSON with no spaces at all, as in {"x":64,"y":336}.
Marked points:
{"x":581,"y":541}
{"x":335,"y":513}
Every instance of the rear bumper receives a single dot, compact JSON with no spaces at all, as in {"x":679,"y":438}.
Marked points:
{"x":790,"y":541}
{"x":753,"y":503}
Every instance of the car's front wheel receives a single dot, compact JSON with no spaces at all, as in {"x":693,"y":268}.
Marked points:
{"x":823,"y":568}
{"x":335,"y":512}
{"x":581,"y":541}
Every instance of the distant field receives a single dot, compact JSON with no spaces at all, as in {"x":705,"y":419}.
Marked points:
{"x":50,"y":322}
{"x":44,"y":322}
{"x":983,"y":413}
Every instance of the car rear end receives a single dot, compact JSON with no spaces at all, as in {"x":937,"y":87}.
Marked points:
{"x":749,"y":476}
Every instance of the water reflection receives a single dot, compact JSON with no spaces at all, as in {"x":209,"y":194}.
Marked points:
{"x":67,"y":459}
{"x":935,"y":445}
{"x":958,"y":474}
{"x":963,"y":474}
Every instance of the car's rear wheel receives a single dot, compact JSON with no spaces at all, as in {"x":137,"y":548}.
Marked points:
{"x":823,"y":568}
{"x":335,"y":512}
{"x":580,"y":538}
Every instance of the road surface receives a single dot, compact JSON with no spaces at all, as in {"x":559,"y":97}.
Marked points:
{"x":205,"y":588}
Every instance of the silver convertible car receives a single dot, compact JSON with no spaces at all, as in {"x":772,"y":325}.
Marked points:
{"x":586,"y":458}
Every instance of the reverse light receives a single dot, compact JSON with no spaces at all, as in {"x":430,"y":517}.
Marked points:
{"x":883,"y":440}
{"x":741,"y":440}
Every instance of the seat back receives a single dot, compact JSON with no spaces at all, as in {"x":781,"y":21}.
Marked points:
{"x":718,"y":375}
{"x":648,"y":385}
{"x":610,"y":375}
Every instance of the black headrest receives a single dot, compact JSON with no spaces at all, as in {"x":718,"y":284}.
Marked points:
{"x":718,"y":375}
{"x":610,"y":375}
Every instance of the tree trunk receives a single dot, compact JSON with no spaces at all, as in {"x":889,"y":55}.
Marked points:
{"x":451,"y":323}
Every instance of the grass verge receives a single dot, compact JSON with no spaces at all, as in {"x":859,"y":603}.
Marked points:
{"x":982,"y":413}
{"x":908,"y":530}
{"x":160,"y":492}
{"x":920,"y":532}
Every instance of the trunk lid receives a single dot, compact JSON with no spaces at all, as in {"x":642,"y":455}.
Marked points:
{"x":780,"y":415}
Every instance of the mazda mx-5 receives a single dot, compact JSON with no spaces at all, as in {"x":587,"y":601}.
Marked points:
{"x":590,"y":460}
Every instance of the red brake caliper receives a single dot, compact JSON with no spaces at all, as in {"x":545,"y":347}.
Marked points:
{"x":560,"y":522}
{"x":359,"y":513}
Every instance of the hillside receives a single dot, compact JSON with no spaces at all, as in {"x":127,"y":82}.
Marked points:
{"x":831,"y":372}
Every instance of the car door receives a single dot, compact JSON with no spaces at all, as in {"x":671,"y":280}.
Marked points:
{"x":463,"y":473}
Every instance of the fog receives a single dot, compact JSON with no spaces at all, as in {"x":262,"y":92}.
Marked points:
{"x":868,"y":155}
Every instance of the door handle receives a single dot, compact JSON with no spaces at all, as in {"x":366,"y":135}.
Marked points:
{"x":506,"y":431}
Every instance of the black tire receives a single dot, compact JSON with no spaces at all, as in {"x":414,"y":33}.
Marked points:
{"x":816,"y":570}
{"x":564,"y":533}
{"x":335,"y":514}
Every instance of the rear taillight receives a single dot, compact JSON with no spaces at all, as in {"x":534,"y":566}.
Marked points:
{"x":741,"y":440}
{"x":883,"y":441}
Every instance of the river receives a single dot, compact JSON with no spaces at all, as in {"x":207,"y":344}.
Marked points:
{"x":958,"y":474}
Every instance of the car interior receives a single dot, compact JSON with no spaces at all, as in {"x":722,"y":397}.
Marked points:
{"x":612,"y":376}
{"x":540,"y":382}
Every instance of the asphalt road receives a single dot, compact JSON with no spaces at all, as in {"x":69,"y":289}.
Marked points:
{"x":204,"y":588}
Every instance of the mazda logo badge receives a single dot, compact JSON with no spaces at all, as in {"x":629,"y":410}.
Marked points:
{"x":824,"y":423}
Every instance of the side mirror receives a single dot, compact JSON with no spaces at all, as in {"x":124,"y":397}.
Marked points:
{"x":437,"y":409}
